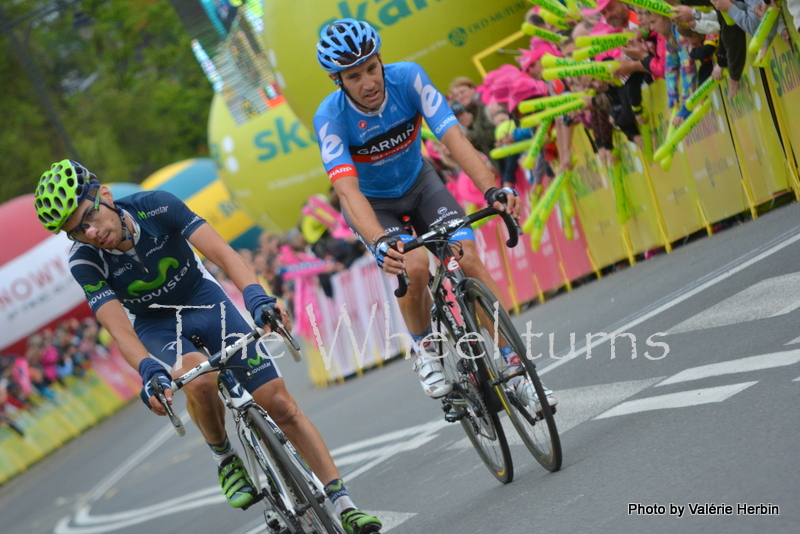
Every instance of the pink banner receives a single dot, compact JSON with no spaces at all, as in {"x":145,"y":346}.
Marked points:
{"x":116,"y":372}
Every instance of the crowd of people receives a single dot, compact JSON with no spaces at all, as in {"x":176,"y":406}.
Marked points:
{"x":684,"y":49}
{"x":52,"y":355}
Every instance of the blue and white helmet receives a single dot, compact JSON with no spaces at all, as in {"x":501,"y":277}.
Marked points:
{"x":346,"y":43}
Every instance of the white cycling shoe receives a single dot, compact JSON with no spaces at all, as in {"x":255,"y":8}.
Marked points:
{"x":431,"y":374}
{"x":526,"y":393}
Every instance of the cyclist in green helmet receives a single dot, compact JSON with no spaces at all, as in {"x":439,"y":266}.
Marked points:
{"x":133,"y":257}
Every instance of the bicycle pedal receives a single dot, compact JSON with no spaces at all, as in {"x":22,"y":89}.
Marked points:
{"x":455,"y":415}
{"x":256,"y":499}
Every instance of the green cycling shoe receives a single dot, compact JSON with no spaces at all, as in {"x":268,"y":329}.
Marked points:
{"x":236,"y":484}
{"x":357,"y":522}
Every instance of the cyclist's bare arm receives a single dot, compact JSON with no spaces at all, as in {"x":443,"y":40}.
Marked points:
{"x":471,"y":163}
{"x":113,"y":317}
{"x":211,"y":245}
{"x":361,"y":214}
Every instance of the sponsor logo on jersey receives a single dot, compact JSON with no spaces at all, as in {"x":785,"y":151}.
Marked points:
{"x":156,"y":245}
{"x":89,"y":289}
{"x":362,"y":124}
{"x":138,"y":286}
{"x":389,"y":143}
{"x":126,"y":267}
{"x":158,"y":211}
{"x":431,"y":98}
{"x":331,"y":146}
{"x":340,"y":171}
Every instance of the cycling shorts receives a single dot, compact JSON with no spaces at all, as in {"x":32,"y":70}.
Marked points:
{"x":217,"y":317}
{"x":426,"y":202}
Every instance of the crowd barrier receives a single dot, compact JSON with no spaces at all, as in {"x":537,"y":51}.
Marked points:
{"x":738,"y":159}
{"x":80,"y":403}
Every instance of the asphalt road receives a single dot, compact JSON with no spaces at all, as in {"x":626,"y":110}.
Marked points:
{"x":713,"y":421}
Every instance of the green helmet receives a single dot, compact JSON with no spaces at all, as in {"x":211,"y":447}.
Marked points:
{"x":59,"y":192}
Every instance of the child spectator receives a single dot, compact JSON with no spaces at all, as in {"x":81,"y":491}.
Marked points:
{"x":703,"y":50}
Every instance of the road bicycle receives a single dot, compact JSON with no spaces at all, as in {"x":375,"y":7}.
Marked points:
{"x":468,"y":328}
{"x":293,"y":497}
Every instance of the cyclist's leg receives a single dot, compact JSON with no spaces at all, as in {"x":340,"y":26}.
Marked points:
{"x":162,"y":342}
{"x":306,"y":439}
{"x":203,"y":403}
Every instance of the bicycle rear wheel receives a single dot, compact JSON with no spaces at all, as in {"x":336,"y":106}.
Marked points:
{"x":314,"y":515}
{"x":537,"y":429}
{"x":480,"y":423}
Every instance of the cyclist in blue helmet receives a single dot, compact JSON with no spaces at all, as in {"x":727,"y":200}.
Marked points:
{"x":369,"y":138}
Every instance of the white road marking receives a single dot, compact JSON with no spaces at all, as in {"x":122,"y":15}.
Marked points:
{"x":768,"y":298}
{"x":577,"y":405}
{"x":742,"y":365}
{"x":792,"y":342}
{"x":796,"y":379}
{"x":682,"y":399}
{"x":724,"y":272}
{"x":427,"y":434}
{"x":83,"y":522}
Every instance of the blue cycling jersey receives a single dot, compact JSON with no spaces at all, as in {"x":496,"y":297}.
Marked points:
{"x":382,"y":149}
{"x":162,"y":268}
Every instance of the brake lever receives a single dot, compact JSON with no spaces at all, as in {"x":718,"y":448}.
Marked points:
{"x":174,"y":419}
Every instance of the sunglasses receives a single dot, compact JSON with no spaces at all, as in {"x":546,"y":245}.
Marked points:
{"x":90,"y":217}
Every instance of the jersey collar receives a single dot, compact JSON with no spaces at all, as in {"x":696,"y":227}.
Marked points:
{"x":377,"y":113}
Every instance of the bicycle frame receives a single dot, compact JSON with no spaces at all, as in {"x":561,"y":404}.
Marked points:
{"x":257,"y":447}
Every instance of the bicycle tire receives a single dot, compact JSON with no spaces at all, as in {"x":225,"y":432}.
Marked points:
{"x":538,"y":431}
{"x":484,"y":430}
{"x":323,"y":522}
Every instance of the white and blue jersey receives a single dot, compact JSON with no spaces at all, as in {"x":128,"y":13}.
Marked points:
{"x":382,"y":149}
{"x":162,"y":269}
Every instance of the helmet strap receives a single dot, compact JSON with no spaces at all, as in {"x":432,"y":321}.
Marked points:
{"x":127,"y":233}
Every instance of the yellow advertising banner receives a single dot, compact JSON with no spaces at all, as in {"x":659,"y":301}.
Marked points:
{"x":783,"y":79}
{"x":596,"y":205}
{"x":714,"y":169}
{"x":755,"y":135}
{"x":643,"y":226}
{"x":675,"y":191}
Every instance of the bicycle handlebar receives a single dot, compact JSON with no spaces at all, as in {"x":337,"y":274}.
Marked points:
{"x":446,"y":228}
{"x":174,"y":419}
{"x":272,"y":319}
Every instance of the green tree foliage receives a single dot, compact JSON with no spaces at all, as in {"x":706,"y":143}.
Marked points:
{"x":127,"y":89}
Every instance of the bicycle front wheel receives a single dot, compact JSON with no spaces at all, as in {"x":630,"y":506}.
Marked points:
{"x":313,"y":515}
{"x":536,"y":427}
{"x":480,"y":423}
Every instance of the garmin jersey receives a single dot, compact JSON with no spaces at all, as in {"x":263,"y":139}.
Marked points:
{"x":382,"y":149}
{"x":162,"y":268}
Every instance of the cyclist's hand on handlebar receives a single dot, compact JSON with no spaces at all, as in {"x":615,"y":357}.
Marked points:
{"x":148,"y":369}
{"x":388,"y":253}
{"x":285,"y":319}
{"x":505,"y":199}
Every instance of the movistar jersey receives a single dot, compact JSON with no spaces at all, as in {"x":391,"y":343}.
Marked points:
{"x":382,"y":149}
{"x":162,"y":268}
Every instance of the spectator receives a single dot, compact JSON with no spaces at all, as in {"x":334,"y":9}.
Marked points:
{"x":480,"y":132}
{"x":703,"y":49}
